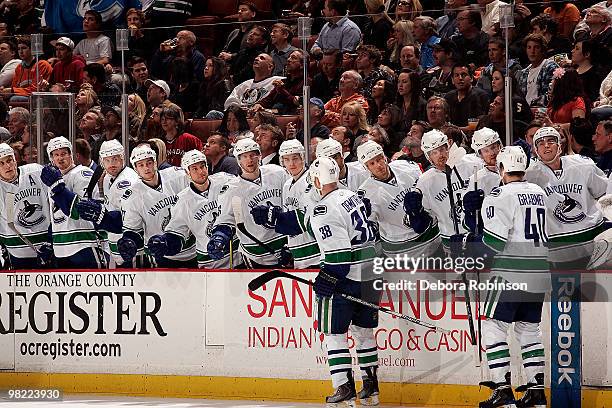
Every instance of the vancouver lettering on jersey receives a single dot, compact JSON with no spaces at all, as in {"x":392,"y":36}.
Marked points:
{"x":397,"y":201}
{"x":264,"y":195}
{"x":457,"y":185}
{"x":205,"y":209}
{"x":564,"y":189}
{"x":161,"y":204}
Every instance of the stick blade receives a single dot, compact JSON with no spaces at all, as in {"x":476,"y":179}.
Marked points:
{"x":237,"y":208}
{"x":264,"y":278}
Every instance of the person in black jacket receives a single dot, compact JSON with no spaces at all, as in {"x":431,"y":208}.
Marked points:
{"x":214,"y":89}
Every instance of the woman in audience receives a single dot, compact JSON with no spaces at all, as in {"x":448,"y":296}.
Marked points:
{"x":567,"y":97}
{"x":401,"y":35}
{"x":235,"y":125}
{"x":410,"y":99}
{"x":383,"y":93}
{"x":353,"y":117}
{"x":378,"y":134}
{"x":522,"y":111}
{"x":137,"y":112}
{"x":214,"y":89}
{"x":591,"y":76}
{"x":389,"y":119}
{"x":84,"y":101}
{"x":408,"y":10}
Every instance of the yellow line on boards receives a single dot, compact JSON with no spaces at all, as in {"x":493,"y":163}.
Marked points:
{"x":179,"y":386}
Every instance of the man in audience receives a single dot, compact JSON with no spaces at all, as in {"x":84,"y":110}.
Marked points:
{"x":546,"y":25}
{"x":368,"y":65}
{"x":437,"y":112}
{"x":24,"y":78}
{"x":157,"y":92}
{"x":236,"y":40}
{"x":284,"y":98}
{"x":471,"y":41}
{"x":346,"y":138}
{"x":325,"y":83}
{"x":269,"y":139}
{"x":602,"y":140}
{"x":280,"y":39}
{"x":251,"y":91}
{"x":411,"y":145}
{"x":92,"y":129}
{"x":466,"y":101}
{"x":140,"y":73}
{"x":82,"y":154}
{"x":8,"y":61}
{"x":425,"y":33}
{"x":96,"y":47}
{"x":256,"y":43}
{"x":349,"y":86}
{"x":68,"y":70}
{"x":108,"y":93}
{"x":438,"y":79}
{"x":217,"y":154}
{"x":447,"y":24}
{"x":19,"y":125}
{"x":185,"y":49}
{"x":497,"y":58}
{"x":340,"y":32}
{"x":534,"y":81}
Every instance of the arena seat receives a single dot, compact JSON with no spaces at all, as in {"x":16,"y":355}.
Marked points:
{"x":202,"y":127}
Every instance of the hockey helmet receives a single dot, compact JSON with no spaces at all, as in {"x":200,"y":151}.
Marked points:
{"x":328,"y":148}
{"x":546,"y":131}
{"x":324,"y":169}
{"x":140,"y":153}
{"x":244,"y":146}
{"x":192,"y":157}
{"x":432,"y":140}
{"x":111,"y":148}
{"x":292,"y":146}
{"x":58,"y":143}
{"x":6,"y":150}
{"x":367,"y":151}
{"x":512,"y":158}
{"x":483,"y":138}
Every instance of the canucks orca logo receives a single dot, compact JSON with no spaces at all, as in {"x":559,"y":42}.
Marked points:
{"x":210,"y":225}
{"x":458,"y":208}
{"x":60,"y":215}
{"x":30,"y":215}
{"x":569,"y":211}
{"x":165,"y":221}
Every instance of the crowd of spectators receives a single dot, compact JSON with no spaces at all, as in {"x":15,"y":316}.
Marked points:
{"x":383,"y":70}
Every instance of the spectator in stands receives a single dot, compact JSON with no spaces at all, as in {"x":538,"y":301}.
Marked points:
{"x":91,"y":128}
{"x":251,"y":91}
{"x":112,"y":125}
{"x":159,"y":147}
{"x":157,"y":93}
{"x":496,"y":118}
{"x":412,"y":143}
{"x":256,"y":44}
{"x":284,"y":97}
{"x":425,"y":34}
{"x":262,"y":117}
{"x":409,"y":59}
{"x":82,"y":154}
{"x":378,"y":134}
{"x":581,"y":140}
{"x":383,"y":93}
{"x":18,"y":148}
{"x":317,"y":111}
{"x":24,"y":78}
{"x":466,"y":101}
{"x":368,"y":65}
{"x":497,"y":58}
{"x":602,"y":140}
{"x":408,"y":10}
{"x":137,"y":111}
{"x":390,"y":119}
{"x":213,"y":89}
{"x":140,"y":44}
{"x":437,"y":112}
{"x":8,"y":61}
{"x":153,"y":128}
{"x":534,"y":81}
{"x":23,"y":17}
{"x":439,"y":80}
{"x":489,"y":10}
{"x":471,"y":41}
{"x":565,"y":14}
{"x":236,"y":40}
{"x":139,"y":73}
{"x":85,"y":100}
{"x":269,"y":138}
{"x":177,"y":140}
{"x":547,"y":26}
{"x":95,"y":75}
{"x":346,"y":138}
{"x":325,"y":83}
{"x":599,"y":21}
{"x":521,"y":109}
{"x":567,"y":97}
{"x":349,"y":86}
{"x":185,"y":49}
{"x":19,"y":125}
{"x":68,"y":71}
{"x":378,"y":25}
{"x":235,"y":125}
{"x":280,"y":39}
{"x":353,"y":117}
{"x":590,"y":75}
{"x":340,"y":32}
{"x":217,"y":154}
{"x":410,"y":99}
{"x":401,"y":36}
{"x":96,"y":47}
{"x":447,"y":23}
{"x":184,"y":89}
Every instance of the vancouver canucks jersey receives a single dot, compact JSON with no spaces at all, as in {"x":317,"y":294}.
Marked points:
{"x":387,"y":199}
{"x":572,"y":193}
{"x":265,"y":190}
{"x":344,"y":235}
{"x":298,"y":196}
{"x":147,"y":210}
{"x":487,"y":180}
{"x":432,"y":184}
{"x":514,"y":219}
{"x":114,"y":188}
{"x":195,"y":213}
{"x":31,"y":215}
{"x":355,"y":175}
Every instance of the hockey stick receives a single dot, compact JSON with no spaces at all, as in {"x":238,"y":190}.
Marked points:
{"x":9,"y":202}
{"x":276,"y":273}
{"x":468,"y":305}
{"x":478,"y":290}
{"x":239,"y":217}
{"x":97,"y":174}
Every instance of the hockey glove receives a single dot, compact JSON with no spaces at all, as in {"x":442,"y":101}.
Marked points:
{"x":127,"y":248}
{"x":218,"y":244}
{"x":325,"y":284}
{"x":52,"y":177}
{"x":44,"y":254}
{"x":158,"y":246}
{"x":413,"y":205}
{"x":526,"y":148}
{"x":285,"y":257}
{"x":472,"y":201}
{"x":266,"y":215}
{"x":91,"y":210}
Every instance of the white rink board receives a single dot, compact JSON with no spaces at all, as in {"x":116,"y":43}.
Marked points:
{"x":209,"y":324}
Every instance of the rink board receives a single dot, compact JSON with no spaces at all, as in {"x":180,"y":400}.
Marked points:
{"x":202,"y":333}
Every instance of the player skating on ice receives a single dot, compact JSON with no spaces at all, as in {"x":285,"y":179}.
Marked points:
{"x":195,"y":213}
{"x":346,"y":240}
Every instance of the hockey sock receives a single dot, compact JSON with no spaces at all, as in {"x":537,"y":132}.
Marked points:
{"x":367,"y":352}
{"x":338,"y":358}
{"x":529,"y":337}
{"x":498,"y":352}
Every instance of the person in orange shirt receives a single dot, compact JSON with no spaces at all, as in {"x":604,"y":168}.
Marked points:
{"x":349,"y":86}
{"x":566,"y":14}
{"x":24,"y":79}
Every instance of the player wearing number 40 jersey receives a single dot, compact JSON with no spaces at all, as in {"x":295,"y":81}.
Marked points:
{"x":346,"y":239}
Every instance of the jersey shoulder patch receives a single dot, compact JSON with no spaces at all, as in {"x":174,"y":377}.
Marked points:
{"x":224,"y":189}
{"x":87,"y":173}
{"x":123,"y":184}
{"x":320,"y":209}
{"x":495,"y":192}
{"x":127,"y":194}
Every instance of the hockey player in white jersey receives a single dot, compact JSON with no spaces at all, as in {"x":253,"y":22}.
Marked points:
{"x":514,"y":237}
{"x":195,"y":212}
{"x":147,"y":209}
{"x":118,"y":179}
{"x":76,"y":243}
{"x":24,"y":213}
{"x":352,"y":174}
{"x":573,"y":184}
{"x":346,"y":240}
{"x":385,"y":190}
{"x":258,"y":185}
{"x":429,"y":202}
{"x":288,"y":220}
